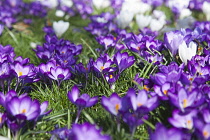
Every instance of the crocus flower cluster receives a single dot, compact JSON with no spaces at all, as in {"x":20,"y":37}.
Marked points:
{"x":15,"y":68}
{"x":132,"y":108}
{"x":59,"y":55}
{"x":10,"y":9}
{"x":20,"y":110}
{"x":172,"y":73}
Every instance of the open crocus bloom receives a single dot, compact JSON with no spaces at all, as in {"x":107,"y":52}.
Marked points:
{"x":23,"y":108}
{"x":187,"y":52}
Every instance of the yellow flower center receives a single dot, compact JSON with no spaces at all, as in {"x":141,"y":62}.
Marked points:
{"x":20,"y":74}
{"x":110,"y":76}
{"x":205,"y":134}
{"x":189,"y":124}
{"x":0,"y":119}
{"x":139,"y":104}
{"x":185,"y":103}
{"x":146,"y":88}
{"x":102,"y":67}
{"x":117,"y":107}
{"x":165,"y":92}
{"x":23,"y":111}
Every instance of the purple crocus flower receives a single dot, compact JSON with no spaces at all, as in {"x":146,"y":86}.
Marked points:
{"x":101,"y":65}
{"x":61,"y":133}
{"x":185,"y":99}
{"x":141,"y":101}
{"x":23,"y":108}
{"x":203,"y":129}
{"x":59,"y":74}
{"x":87,"y":131}
{"x":81,"y":101}
{"x":173,"y":39}
{"x":111,"y":77}
{"x":180,"y":120}
{"x":21,"y":71}
{"x":162,"y":91}
{"x":43,"y":108}
{"x":112,"y":104}
{"x":123,"y":61}
{"x":4,"y":98}
{"x":107,"y":41}
{"x":162,"y":133}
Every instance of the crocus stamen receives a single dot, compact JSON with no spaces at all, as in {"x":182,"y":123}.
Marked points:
{"x":110,"y":76}
{"x":117,"y":107}
{"x":65,"y":61}
{"x":0,"y":119}
{"x":139,"y":104}
{"x":165,"y":92}
{"x":205,"y":134}
{"x":23,"y":111}
{"x":189,"y":122}
{"x":138,"y":48}
{"x":191,"y":79}
{"x":185,"y":103}
{"x":62,"y":52}
{"x":102,"y":67}
{"x":115,"y":38}
{"x":146,"y":88}
{"x":20,"y":73}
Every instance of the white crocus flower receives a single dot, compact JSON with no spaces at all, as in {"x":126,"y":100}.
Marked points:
{"x":187,"y":52}
{"x":185,"y":13}
{"x":156,"y":24}
{"x":101,"y":3}
{"x":67,"y":3}
{"x":206,"y":9}
{"x":143,"y":20}
{"x":135,"y":6}
{"x":60,"y":27}
{"x":124,"y":18}
{"x":59,"y":13}
{"x":33,"y":45}
{"x":158,"y":20}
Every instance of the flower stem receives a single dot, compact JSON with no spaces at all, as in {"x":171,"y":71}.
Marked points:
{"x":78,"y":114}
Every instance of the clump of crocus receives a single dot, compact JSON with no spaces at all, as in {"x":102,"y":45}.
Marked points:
{"x":82,"y":101}
{"x":20,"y":110}
{"x":132,"y":108}
{"x":85,"y":131}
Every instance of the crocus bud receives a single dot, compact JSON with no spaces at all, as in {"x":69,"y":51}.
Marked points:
{"x":60,"y":27}
{"x":143,"y":21}
{"x":206,"y":9}
{"x":187,"y":52}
